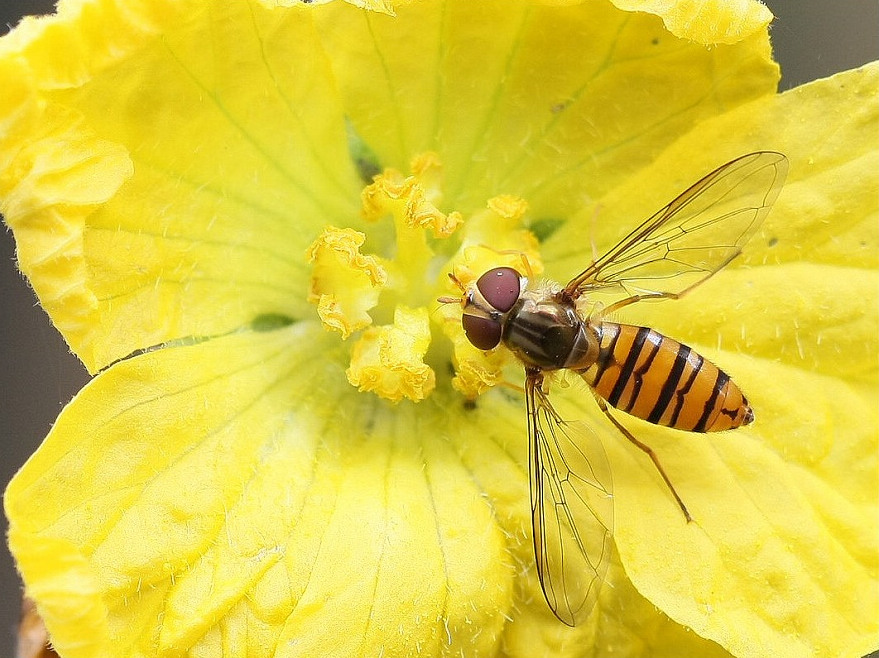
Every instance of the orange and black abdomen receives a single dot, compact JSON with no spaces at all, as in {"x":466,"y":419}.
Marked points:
{"x":646,"y":374}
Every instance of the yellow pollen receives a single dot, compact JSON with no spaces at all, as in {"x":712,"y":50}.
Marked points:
{"x":351,"y":288}
{"x":345,"y":284}
{"x":388,"y":360}
{"x":411,"y":199}
{"x":508,"y":206}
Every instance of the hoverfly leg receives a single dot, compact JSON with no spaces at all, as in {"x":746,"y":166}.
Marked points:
{"x":523,"y":258}
{"x":529,"y":271}
{"x":512,"y":386}
{"x":616,"y":306}
{"x":647,"y":449}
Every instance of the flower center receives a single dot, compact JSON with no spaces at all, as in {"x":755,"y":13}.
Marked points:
{"x":390,"y":302}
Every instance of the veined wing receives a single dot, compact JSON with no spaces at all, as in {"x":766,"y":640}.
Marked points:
{"x":571,"y":507}
{"x":694,"y":236}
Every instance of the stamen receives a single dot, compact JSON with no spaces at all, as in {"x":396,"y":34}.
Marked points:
{"x":345,"y":284}
{"x":352,"y":289}
{"x":388,"y":360}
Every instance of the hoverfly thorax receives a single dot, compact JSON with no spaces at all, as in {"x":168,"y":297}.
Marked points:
{"x":545,"y":331}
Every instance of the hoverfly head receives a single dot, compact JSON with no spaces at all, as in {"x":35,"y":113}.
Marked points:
{"x":487,"y":303}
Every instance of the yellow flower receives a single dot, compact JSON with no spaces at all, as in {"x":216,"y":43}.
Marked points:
{"x":240,"y":215}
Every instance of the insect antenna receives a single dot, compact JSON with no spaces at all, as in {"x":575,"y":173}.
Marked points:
{"x":447,"y":299}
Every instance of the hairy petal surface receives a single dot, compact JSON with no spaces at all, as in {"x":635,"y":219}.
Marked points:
{"x":782,"y":556}
{"x":711,"y":22}
{"x":164,"y":166}
{"x":232,"y":157}
{"x":525,"y":121}
{"x":215,"y":504}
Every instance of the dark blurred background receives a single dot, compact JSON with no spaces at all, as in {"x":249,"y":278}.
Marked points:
{"x":812,"y":39}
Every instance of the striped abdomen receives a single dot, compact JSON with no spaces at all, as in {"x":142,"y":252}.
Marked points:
{"x":648,"y":375}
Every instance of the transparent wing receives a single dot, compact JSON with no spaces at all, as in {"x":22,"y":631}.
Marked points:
{"x":571,"y":507}
{"x":694,"y":236}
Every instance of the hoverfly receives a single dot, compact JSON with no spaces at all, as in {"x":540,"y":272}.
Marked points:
{"x":634,"y":369}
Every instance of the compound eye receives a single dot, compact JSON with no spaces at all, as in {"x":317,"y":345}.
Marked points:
{"x":484,"y":333}
{"x":500,"y":287}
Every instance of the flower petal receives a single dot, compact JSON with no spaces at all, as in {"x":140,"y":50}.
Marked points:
{"x":812,"y":316}
{"x":524,"y":121}
{"x":712,"y":22}
{"x":239,"y":160}
{"x":68,"y":596}
{"x":205,"y":498}
{"x":810,"y":274}
{"x":782,"y":557}
{"x":491,"y":444}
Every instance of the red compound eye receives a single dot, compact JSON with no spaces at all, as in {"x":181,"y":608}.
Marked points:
{"x":484,"y":333}
{"x":500,"y":287}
